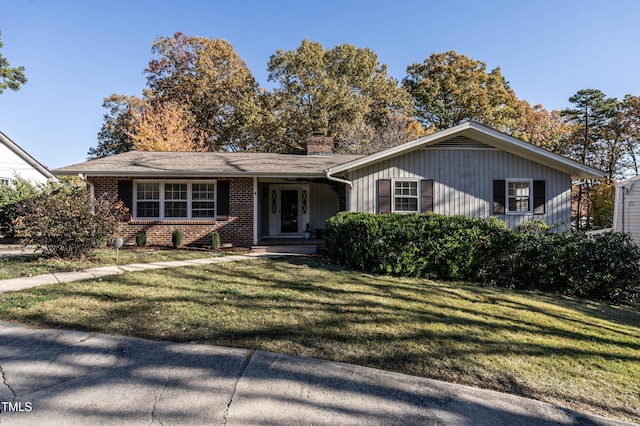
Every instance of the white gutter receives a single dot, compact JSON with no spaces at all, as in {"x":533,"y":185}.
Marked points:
{"x":345,"y":182}
{"x":327,"y":174}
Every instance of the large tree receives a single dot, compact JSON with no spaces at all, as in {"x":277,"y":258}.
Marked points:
{"x":10,"y":77}
{"x":343,"y":92}
{"x":540,"y":127}
{"x":213,"y":83}
{"x":449,"y":88}
{"x":590,"y":116}
{"x":199,"y":81}
{"x":591,"y":141}
{"x":628,"y":123}
{"x":113,"y":137}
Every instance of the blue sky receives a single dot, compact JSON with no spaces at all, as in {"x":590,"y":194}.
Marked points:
{"x":76,"y":53}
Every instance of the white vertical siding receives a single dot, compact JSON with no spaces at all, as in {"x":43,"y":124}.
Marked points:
{"x":627,"y":209}
{"x":463,"y":182}
{"x":11,"y":165}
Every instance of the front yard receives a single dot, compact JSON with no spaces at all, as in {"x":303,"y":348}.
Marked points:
{"x":579,"y":354}
{"x":30,"y":265}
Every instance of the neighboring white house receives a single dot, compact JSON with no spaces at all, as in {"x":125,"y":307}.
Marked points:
{"x":14,"y":161}
{"x":626,"y":210}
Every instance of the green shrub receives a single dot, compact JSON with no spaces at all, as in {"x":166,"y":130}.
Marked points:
{"x":177,"y":238}
{"x":215,"y":240}
{"x":602,"y":267}
{"x":10,"y":198}
{"x":353,"y":239}
{"x":101,"y":242}
{"x":424,"y":245}
{"x":141,"y":239}
{"x":605,"y":266}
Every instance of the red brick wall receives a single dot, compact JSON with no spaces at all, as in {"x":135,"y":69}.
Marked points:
{"x":319,"y":145}
{"x":237,"y":230}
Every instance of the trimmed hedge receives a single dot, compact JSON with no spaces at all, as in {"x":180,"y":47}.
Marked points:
{"x":605,"y":266}
{"x":425,"y":245}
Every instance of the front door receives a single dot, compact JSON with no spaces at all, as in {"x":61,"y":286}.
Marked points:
{"x":289,"y":211}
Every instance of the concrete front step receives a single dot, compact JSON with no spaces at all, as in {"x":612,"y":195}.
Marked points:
{"x":302,"y":249}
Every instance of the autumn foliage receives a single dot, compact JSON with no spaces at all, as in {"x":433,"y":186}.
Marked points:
{"x":67,"y":223}
{"x":165,"y":127}
{"x":201,"y":95}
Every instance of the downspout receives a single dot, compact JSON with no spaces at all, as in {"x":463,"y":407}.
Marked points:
{"x":92,"y":188}
{"x":327,"y":173}
{"x":92,"y":191}
{"x":623,"y":190}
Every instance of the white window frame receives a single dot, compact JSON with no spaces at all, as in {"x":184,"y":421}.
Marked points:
{"x":162,"y":200}
{"x":5,"y":181}
{"x":136,"y":200}
{"x":393,"y":195}
{"x":192,"y":200}
{"x":508,"y":197}
{"x":166,"y":200}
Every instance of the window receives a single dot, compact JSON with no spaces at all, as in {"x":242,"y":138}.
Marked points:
{"x":405,"y":196}
{"x":5,"y":182}
{"x":175,"y":200}
{"x":148,"y":199}
{"x":518,"y":196}
{"x":203,"y":200}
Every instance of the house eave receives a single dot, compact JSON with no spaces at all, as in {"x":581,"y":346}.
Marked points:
{"x":26,"y":157}
{"x":487,"y":136}
{"x":189,"y":173}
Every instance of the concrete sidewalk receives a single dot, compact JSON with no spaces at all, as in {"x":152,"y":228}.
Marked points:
{"x":58,"y":377}
{"x":15,"y":284}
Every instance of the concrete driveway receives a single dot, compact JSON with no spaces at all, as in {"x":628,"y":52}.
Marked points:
{"x":77,"y":378}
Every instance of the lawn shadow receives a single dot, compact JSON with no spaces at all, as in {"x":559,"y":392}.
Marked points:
{"x":336,"y":317}
{"x":79,"y":377}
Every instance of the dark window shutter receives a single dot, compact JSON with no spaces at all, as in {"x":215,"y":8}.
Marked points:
{"x":539,"y":196}
{"x":223,"y":200}
{"x":426,"y":195}
{"x":125,"y":193}
{"x":384,"y":195}
{"x":499,"y":197}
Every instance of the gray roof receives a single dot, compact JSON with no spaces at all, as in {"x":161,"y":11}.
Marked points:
{"x":167,"y":164}
{"x":483,"y":134}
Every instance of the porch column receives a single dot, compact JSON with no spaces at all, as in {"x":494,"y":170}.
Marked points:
{"x":255,"y":211}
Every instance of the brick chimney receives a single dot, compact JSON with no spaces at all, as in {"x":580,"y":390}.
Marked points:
{"x":319,"y":144}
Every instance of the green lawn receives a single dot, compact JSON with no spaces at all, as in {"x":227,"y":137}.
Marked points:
{"x":578,"y":354}
{"x":36,"y":264}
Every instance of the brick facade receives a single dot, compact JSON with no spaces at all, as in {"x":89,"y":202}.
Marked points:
{"x":237,"y":229}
